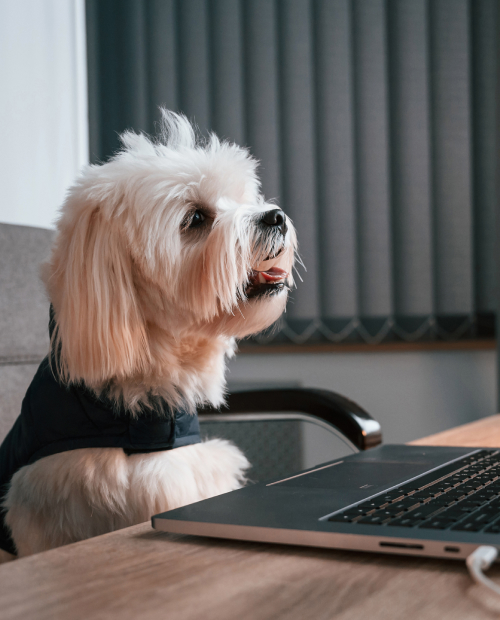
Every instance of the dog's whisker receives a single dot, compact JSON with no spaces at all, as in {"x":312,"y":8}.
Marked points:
{"x":298,"y":274}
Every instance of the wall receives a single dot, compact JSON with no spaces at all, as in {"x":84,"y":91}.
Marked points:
{"x":43,"y":99}
{"x":411,"y":394}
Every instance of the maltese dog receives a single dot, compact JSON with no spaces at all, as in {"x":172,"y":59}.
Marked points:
{"x":163,"y":257}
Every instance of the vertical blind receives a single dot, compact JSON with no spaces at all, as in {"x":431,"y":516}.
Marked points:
{"x":374,"y":121}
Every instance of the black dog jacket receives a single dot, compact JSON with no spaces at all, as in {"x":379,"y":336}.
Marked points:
{"x":56,"y":418}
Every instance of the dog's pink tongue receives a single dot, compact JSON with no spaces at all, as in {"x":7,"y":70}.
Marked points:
{"x":274,"y":274}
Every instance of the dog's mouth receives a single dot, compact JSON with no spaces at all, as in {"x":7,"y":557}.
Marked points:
{"x":266,"y":278}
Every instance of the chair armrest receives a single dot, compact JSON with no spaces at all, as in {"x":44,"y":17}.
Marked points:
{"x":344,"y":414}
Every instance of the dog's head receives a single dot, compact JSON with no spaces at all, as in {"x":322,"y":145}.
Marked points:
{"x":169,"y":242}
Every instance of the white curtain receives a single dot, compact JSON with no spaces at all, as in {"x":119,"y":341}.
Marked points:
{"x":43,"y":99}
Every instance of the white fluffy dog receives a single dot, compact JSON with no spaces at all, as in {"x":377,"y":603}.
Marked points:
{"x":164,"y":255}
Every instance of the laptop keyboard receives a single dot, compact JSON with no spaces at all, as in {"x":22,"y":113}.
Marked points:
{"x":463,"y":496}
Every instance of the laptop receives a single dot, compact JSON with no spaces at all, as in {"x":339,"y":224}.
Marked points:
{"x":413,"y":500}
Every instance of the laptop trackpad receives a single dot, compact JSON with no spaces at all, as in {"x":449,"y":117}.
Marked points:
{"x":353,"y":475}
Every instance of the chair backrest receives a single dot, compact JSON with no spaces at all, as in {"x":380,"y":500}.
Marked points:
{"x":273,"y":448}
{"x":277,"y":448}
{"x":24,"y":314}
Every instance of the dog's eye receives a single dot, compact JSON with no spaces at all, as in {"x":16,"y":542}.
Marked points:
{"x":197,"y":219}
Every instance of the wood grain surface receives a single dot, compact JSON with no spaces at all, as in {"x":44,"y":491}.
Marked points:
{"x":138,"y":573}
{"x":483,"y":433}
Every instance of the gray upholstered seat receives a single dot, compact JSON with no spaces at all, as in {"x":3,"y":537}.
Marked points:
{"x":24,"y":314}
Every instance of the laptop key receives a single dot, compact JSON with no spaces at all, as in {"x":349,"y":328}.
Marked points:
{"x":341,"y":518}
{"x":451,"y":516}
{"x":460,"y":512}
{"x":482,"y":517}
{"x":422,"y":513}
{"x":372,"y":520}
{"x":429,"y":479}
{"x":456,"y":511}
{"x":433,"y":491}
{"x":484,"y":478}
{"x":467,"y":488}
{"x":356,"y":512}
{"x":437,"y":524}
{"x":467,"y":527}
{"x":389,"y":497}
{"x":370,"y":505}
{"x":484,"y":498}
{"x":471,"y":502}
{"x":404,"y":504}
{"x":487,"y":492}
{"x":420,"y":496}
{"x":386,"y":513}
{"x":454,"y":495}
{"x":441,"y":501}
{"x":405,"y":489}
{"x":448,"y":500}
{"x":405,"y":521}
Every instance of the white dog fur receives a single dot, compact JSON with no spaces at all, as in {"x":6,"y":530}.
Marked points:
{"x":146,"y":305}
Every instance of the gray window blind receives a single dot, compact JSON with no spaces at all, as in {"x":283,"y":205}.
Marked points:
{"x":374,"y":121}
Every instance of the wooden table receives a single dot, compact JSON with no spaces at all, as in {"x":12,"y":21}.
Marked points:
{"x":140,"y":574}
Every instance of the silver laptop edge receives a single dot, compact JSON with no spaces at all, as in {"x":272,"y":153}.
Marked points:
{"x":294,"y":510}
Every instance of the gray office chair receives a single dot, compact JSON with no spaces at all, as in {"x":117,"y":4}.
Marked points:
{"x":281,"y":431}
{"x":24,"y":340}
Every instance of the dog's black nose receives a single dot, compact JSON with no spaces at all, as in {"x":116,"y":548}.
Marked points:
{"x":275,"y":218}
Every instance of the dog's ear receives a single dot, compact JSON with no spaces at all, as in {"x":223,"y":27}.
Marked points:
{"x":100,"y":332}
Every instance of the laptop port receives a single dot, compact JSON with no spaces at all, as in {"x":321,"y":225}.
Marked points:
{"x":452,"y":549}
{"x":401,"y":545}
